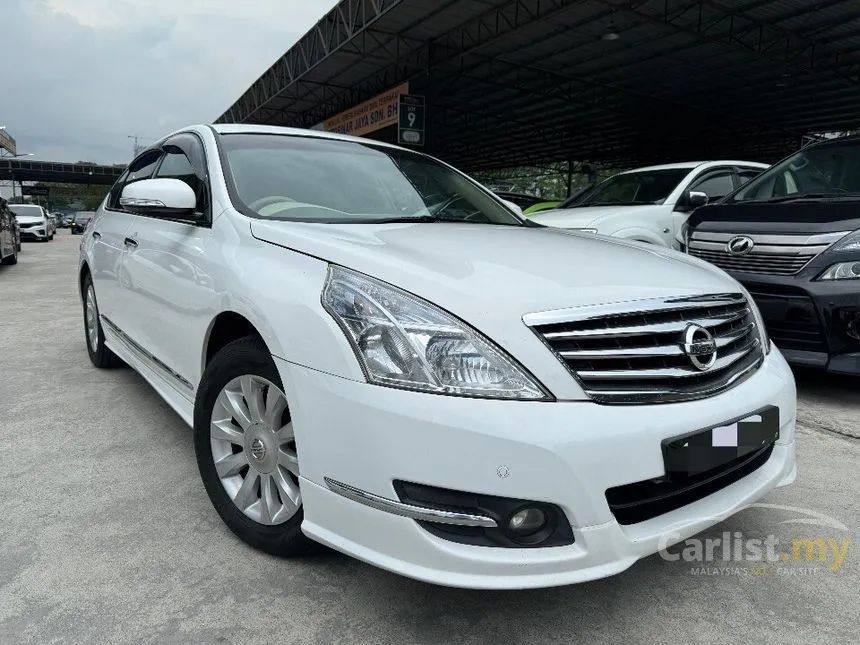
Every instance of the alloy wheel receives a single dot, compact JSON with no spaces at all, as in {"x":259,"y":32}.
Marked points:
{"x":254,"y":449}
{"x":92,"y":319}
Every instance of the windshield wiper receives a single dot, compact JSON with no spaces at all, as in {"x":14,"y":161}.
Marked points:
{"x":810,"y":196}
{"x":393,"y":220}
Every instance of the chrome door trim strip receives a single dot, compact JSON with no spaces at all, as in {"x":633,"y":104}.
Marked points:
{"x":419,"y":513}
{"x":145,"y":356}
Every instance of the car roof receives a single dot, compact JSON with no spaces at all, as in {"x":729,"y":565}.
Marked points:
{"x":691,"y":165}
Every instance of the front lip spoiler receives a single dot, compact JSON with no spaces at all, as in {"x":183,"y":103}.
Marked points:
{"x":420,"y":513}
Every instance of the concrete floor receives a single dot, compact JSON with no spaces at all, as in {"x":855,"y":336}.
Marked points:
{"x":108,"y":536}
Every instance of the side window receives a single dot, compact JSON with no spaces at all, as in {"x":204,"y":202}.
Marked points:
{"x":184,"y":159}
{"x":745,"y":174}
{"x":140,"y":168}
{"x":176,"y":165}
{"x":715,"y":186}
{"x":116,"y":191}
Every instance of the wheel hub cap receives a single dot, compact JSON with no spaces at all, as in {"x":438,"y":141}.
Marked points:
{"x":254,"y":449}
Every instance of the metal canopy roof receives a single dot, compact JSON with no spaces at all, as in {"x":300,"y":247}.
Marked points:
{"x":516,"y":82}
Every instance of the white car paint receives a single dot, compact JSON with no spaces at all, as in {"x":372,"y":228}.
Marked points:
{"x":165,"y":290}
{"x":33,"y":221}
{"x":659,"y":224}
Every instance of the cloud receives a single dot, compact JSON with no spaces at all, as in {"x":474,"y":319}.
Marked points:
{"x":80,"y":76}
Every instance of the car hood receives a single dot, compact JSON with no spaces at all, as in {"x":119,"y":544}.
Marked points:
{"x":29,"y":219}
{"x":593,"y":216}
{"x":478,"y":271}
{"x":802,"y":217}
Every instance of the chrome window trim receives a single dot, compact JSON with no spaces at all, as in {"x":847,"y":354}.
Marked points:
{"x":420,"y":513}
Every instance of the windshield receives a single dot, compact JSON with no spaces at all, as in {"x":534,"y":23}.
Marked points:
{"x":26,"y":210}
{"x":311,"y":179}
{"x":634,"y":188}
{"x":828,"y":170}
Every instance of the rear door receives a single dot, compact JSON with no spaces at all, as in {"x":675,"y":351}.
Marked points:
{"x":163,"y":265}
{"x":109,"y":231}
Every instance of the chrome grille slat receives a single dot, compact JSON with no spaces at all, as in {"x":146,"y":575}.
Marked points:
{"x":633,"y":352}
{"x":667,"y":372}
{"x":659,"y":328}
{"x":770,"y":255}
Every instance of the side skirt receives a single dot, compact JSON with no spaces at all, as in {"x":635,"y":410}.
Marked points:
{"x":177,"y":391}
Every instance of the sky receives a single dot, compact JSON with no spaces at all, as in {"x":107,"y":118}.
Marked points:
{"x":81,"y":76}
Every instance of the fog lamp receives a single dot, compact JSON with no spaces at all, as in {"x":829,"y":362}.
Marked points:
{"x":527,"y":522}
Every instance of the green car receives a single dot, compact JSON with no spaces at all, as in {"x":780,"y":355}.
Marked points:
{"x":541,"y":206}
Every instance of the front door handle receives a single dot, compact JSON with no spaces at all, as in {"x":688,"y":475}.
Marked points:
{"x":97,"y":235}
{"x":130,"y":242}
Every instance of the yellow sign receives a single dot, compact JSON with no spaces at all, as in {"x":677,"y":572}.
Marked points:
{"x":370,"y":116}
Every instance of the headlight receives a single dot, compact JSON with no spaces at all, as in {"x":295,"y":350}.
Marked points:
{"x":841,"y":271}
{"x":850,"y":242}
{"x":406,"y":342}
{"x":759,"y":321}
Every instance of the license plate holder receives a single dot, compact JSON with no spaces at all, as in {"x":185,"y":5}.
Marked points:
{"x":700,"y":451}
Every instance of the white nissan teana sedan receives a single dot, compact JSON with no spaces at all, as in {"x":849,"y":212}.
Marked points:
{"x":377,"y":354}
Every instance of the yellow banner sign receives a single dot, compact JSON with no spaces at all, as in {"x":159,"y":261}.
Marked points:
{"x":370,"y":116}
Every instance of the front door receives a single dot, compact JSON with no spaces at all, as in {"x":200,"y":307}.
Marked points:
{"x":162,"y":265}
{"x":109,"y":230}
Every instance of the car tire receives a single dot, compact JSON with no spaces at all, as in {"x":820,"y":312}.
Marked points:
{"x":100,"y":355}
{"x":243,"y":441}
{"x":11,"y":259}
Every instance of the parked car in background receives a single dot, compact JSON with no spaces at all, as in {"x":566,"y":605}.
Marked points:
{"x":9,"y":242}
{"x":542,"y":206}
{"x":792,"y":237}
{"x":79,"y":221}
{"x":376,"y":353}
{"x":650,"y":204}
{"x":523,"y":200}
{"x":34,"y":222}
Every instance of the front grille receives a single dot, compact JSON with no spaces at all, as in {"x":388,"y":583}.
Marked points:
{"x":633,"y":352}
{"x":770,"y":254}
{"x":641,"y":501}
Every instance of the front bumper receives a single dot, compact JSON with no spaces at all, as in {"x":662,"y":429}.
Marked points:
{"x":33,"y":234}
{"x":814,"y":323}
{"x":562,"y":453}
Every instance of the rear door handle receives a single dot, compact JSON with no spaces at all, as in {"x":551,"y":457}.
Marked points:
{"x":97,"y":235}
{"x":130,"y":242}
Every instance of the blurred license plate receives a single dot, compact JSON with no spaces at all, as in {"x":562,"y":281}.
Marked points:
{"x":704,"y":450}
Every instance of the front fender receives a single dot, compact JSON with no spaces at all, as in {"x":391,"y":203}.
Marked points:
{"x":278,"y":290}
{"x":640,"y":234}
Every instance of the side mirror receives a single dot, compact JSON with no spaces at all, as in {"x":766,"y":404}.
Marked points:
{"x":514,"y":207}
{"x":159,"y":198}
{"x":696,"y":198}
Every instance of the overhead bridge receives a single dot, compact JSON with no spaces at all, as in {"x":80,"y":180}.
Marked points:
{"x":21,"y":170}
